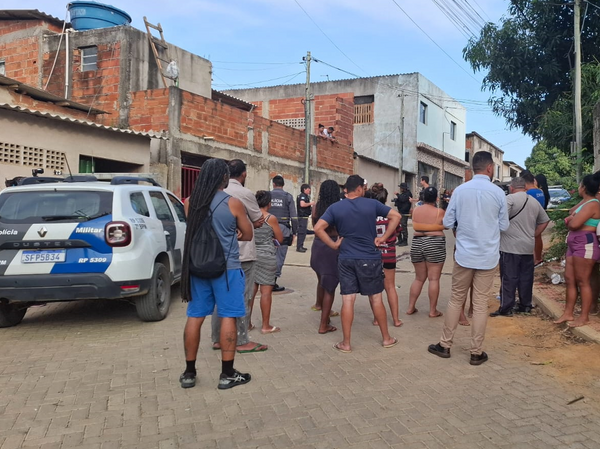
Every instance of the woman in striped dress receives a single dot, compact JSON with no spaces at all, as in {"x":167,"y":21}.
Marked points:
{"x":428,"y":251}
{"x":266,"y":238}
{"x":388,"y":256}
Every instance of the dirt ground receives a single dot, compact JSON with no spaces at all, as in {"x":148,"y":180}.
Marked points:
{"x":558,"y":353}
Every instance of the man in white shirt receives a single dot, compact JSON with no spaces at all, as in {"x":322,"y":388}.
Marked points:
{"x":478,"y":208}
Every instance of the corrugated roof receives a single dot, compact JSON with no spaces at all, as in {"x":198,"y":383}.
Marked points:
{"x":231,"y":100}
{"x":79,"y":122}
{"x":39,"y":94}
{"x":29,"y":14}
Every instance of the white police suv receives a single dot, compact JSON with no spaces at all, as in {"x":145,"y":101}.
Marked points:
{"x":77,"y":238}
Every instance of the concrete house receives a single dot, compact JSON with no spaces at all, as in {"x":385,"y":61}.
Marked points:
{"x":112,"y":72}
{"x":389,"y":116}
{"x":476,"y":142}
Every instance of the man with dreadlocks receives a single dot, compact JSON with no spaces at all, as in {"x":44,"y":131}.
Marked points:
{"x":229,"y":220}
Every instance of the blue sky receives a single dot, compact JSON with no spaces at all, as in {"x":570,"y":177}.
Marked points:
{"x":256,"y":43}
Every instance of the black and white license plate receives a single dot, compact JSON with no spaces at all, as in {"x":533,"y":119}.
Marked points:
{"x":44,"y":256}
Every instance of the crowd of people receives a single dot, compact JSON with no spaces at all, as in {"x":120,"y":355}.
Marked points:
{"x":354,"y":247}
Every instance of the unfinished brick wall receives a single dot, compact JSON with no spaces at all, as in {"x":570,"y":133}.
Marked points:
{"x":21,"y":54}
{"x":149,"y":110}
{"x":335,"y":110}
{"x":203,"y":117}
{"x":97,"y":88}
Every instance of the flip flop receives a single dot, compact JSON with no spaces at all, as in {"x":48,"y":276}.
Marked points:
{"x":270,"y":331}
{"x":399,"y":325}
{"x":334,"y":314}
{"x":329,"y":329}
{"x":215,"y":347}
{"x":337,"y":348}
{"x":391,"y":345}
{"x":257,"y":348}
{"x":463,"y":323}
{"x":413,"y":312}
{"x":252,"y":327}
{"x":439,"y":314}
{"x":314,"y":309}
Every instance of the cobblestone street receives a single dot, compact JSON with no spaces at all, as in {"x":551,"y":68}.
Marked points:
{"x":91,"y":375}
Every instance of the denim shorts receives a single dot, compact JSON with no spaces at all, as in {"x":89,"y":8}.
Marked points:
{"x":226,"y":292}
{"x":364,"y":276}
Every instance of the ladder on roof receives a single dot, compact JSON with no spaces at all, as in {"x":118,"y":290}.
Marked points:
{"x":154,"y":41}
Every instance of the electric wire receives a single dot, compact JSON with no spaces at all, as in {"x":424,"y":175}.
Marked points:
{"x":255,"y":63}
{"x":436,"y":44}
{"x":328,"y":38}
{"x":57,"y":50}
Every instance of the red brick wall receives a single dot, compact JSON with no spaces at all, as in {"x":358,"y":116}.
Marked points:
{"x":335,"y":110}
{"x":21,"y":55}
{"x":202,"y":116}
{"x":149,"y":110}
{"x":21,"y":60}
{"x":97,"y":88}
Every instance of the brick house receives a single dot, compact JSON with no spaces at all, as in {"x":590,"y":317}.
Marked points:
{"x":113,"y":72}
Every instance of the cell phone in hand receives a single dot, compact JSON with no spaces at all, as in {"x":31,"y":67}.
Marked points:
{"x":276,"y":242}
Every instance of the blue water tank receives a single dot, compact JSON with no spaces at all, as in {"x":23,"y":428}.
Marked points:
{"x":89,"y":15}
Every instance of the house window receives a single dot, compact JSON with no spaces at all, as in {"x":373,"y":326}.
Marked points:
{"x":467,"y":155}
{"x":2,"y":68}
{"x":453,"y":130}
{"x":498,"y":171}
{"x":89,"y":58}
{"x":423,"y":113}
{"x":363,"y":109}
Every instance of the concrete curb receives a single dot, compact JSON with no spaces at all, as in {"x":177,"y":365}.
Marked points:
{"x":554,"y":310}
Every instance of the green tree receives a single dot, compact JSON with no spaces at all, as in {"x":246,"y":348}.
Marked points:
{"x":528,"y":58}
{"x":553,"y":163}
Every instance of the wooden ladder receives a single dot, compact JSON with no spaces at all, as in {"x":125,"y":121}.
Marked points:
{"x":154,"y":41}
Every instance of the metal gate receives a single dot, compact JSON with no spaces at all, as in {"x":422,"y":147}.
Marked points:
{"x":189,"y":175}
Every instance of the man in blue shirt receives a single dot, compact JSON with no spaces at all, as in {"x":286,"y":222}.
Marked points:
{"x":478,"y":207}
{"x":532,"y":189}
{"x":360,"y":266}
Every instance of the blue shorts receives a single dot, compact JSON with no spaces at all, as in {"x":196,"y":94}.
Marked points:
{"x":208,"y":292}
{"x":361,"y":276}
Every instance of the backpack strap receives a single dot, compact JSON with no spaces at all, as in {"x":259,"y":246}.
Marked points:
{"x":520,"y":210}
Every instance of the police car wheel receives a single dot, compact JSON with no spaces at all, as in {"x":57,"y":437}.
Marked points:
{"x":11,"y":314}
{"x":154,"y":305}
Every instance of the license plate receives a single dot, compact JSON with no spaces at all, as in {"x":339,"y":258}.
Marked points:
{"x":47,"y":256}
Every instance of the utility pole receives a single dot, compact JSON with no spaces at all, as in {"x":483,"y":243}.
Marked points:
{"x":577,"y":91}
{"x":401,"y":152}
{"x":307,"y":121}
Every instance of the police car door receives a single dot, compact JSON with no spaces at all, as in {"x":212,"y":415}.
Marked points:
{"x":181,"y":226}
{"x":164,"y":214}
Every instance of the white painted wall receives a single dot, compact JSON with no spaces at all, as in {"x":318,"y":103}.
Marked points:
{"x":441,"y":111}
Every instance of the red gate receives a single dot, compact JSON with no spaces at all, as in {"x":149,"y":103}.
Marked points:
{"x":189,"y":175}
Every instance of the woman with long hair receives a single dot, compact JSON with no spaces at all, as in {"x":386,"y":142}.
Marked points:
{"x":388,"y":256}
{"x":231,"y":224}
{"x":428,"y":251}
{"x":542,"y":184}
{"x":267,"y":238}
{"x":323,"y":259}
{"x":582,"y":253}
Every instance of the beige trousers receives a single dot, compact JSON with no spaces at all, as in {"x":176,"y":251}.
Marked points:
{"x":481,"y":282}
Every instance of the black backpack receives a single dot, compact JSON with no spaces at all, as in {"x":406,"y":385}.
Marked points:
{"x":207,"y":259}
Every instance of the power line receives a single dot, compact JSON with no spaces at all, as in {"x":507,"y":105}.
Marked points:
{"x":436,"y":44}
{"x":328,"y":38}
{"x":334,"y":67}
{"x":482,"y":10}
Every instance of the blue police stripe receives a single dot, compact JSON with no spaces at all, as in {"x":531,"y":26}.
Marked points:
{"x":95,"y":259}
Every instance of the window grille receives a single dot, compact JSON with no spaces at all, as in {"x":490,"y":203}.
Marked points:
{"x":89,"y":59}
{"x":297,"y":123}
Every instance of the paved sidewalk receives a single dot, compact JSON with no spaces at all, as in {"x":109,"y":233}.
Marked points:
{"x":90,"y":375}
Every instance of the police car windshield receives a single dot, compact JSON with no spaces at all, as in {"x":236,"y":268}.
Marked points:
{"x":36,"y":206}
